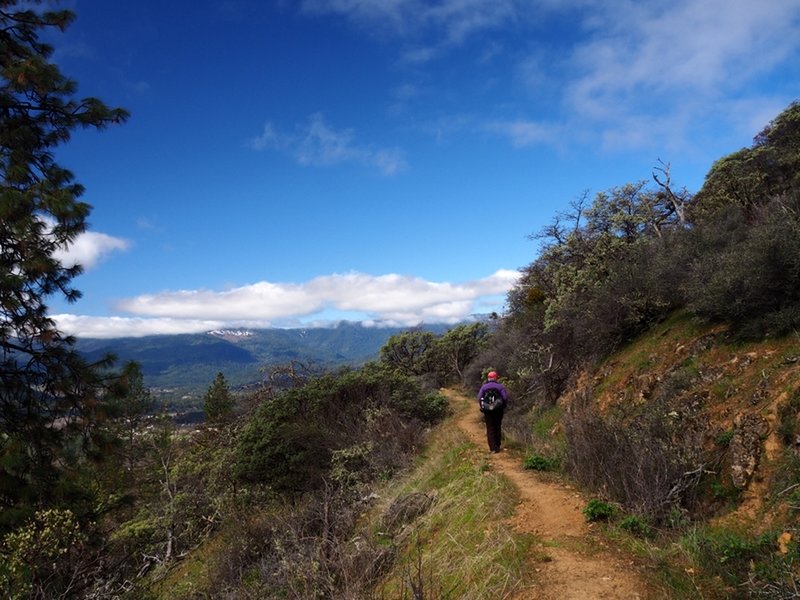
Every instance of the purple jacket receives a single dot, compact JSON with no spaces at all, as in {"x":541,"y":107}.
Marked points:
{"x":498,"y":386}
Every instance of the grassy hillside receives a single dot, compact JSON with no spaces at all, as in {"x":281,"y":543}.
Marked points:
{"x":682,"y":445}
{"x":440,"y":529}
{"x":442,"y":526}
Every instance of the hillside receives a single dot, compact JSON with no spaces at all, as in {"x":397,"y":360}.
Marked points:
{"x":462,"y":524}
{"x":666,"y":471}
{"x":737,"y":537}
{"x":180,"y":365}
{"x":459,"y":512}
{"x":737,"y":399}
{"x":693,"y":437}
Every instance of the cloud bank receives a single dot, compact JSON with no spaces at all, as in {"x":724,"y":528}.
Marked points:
{"x":391,"y":299}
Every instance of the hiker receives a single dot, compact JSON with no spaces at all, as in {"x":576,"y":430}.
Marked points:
{"x":492,"y":399}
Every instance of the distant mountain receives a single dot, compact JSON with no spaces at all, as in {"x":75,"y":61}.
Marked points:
{"x":185,"y":365}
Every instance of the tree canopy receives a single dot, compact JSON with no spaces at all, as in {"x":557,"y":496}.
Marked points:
{"x":750,"y":177}
{"x":48,"y":394}
{"x":218,"y":402}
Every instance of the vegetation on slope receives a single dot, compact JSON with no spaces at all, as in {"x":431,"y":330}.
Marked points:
{"x":663,"y":329}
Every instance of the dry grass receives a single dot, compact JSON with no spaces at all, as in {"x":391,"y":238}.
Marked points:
{"x":461,"y":547}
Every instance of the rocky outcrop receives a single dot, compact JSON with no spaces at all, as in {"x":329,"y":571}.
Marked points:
{"x":749,"y":431}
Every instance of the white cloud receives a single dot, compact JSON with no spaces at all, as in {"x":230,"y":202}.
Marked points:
{"x":261,"y":300}
{"x":387,"y":299}
{"x":462,"y":18}
{"x":113,"y":327}
{"x":89,"y":248}
{"x":391,"y":15}
{"x":318,"y":144}
{"x":677,"y":64}
{"x":269,"y":139}
{"x":266,"y":301}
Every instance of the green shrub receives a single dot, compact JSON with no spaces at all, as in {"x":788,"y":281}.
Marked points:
{"x":775,"y":576}
{"x":720,"y":491}
{"x":730,"y":554}
{"x":537,"y":462}
{"x":751,"y":176}
{"x":747,"y":270}
{"x":283,"y":450}
{"x":723,"y":439}
{"x":636,"y":525}
{"x":432,"y":407}
{"x":39,"y":557}
{"x":370,"y":418}
{"x":598,"y":510}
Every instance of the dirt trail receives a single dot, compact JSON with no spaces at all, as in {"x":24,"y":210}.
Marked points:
{"x":577,"y":566}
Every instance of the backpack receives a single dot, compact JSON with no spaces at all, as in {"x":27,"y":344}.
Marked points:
{"x":491,"y":400}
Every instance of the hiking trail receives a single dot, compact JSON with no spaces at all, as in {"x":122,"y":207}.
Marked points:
{"x":570,"y":563}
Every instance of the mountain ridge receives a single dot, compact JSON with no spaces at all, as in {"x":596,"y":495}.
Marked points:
{"x":184,"y":364}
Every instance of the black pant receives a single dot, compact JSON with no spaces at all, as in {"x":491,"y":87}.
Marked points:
{"x":494,"y":419}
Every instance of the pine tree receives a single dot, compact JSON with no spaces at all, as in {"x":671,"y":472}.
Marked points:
{"x":48,"y":394}
{"x":218,"y":403}
{"x":129,"y":407}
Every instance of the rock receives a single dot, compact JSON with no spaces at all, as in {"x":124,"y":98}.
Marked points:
{"x":702,"y":344}
{"x":746,"y":447}
{"x":784,"y":540}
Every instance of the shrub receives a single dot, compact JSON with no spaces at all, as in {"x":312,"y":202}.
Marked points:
{"x":724,"y":438}
{"x":751,"y":176}
{"x":432,"y":407}
{"x":723,"y":491}
{"x":537,"y":462}
{"x":649,"y":463}
{"x":732,"y":555}
{"x":283,"y":449}
{"x":747,"y":270}
{"x":775,"y":576}
{"x":306,"y":550}
{"x":636,"y":525}
{"x":598,"y":510}
{"x":41,"y":558}
{"x":640,"y":287}
{"x":375,"y":415}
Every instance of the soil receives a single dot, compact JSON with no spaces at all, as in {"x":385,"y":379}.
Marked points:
{"x":569,"y":560}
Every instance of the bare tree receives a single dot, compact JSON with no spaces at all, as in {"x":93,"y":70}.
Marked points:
{"x":676,"y":202}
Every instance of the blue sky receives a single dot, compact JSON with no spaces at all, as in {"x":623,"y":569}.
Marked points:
{"x":299,"y":162}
